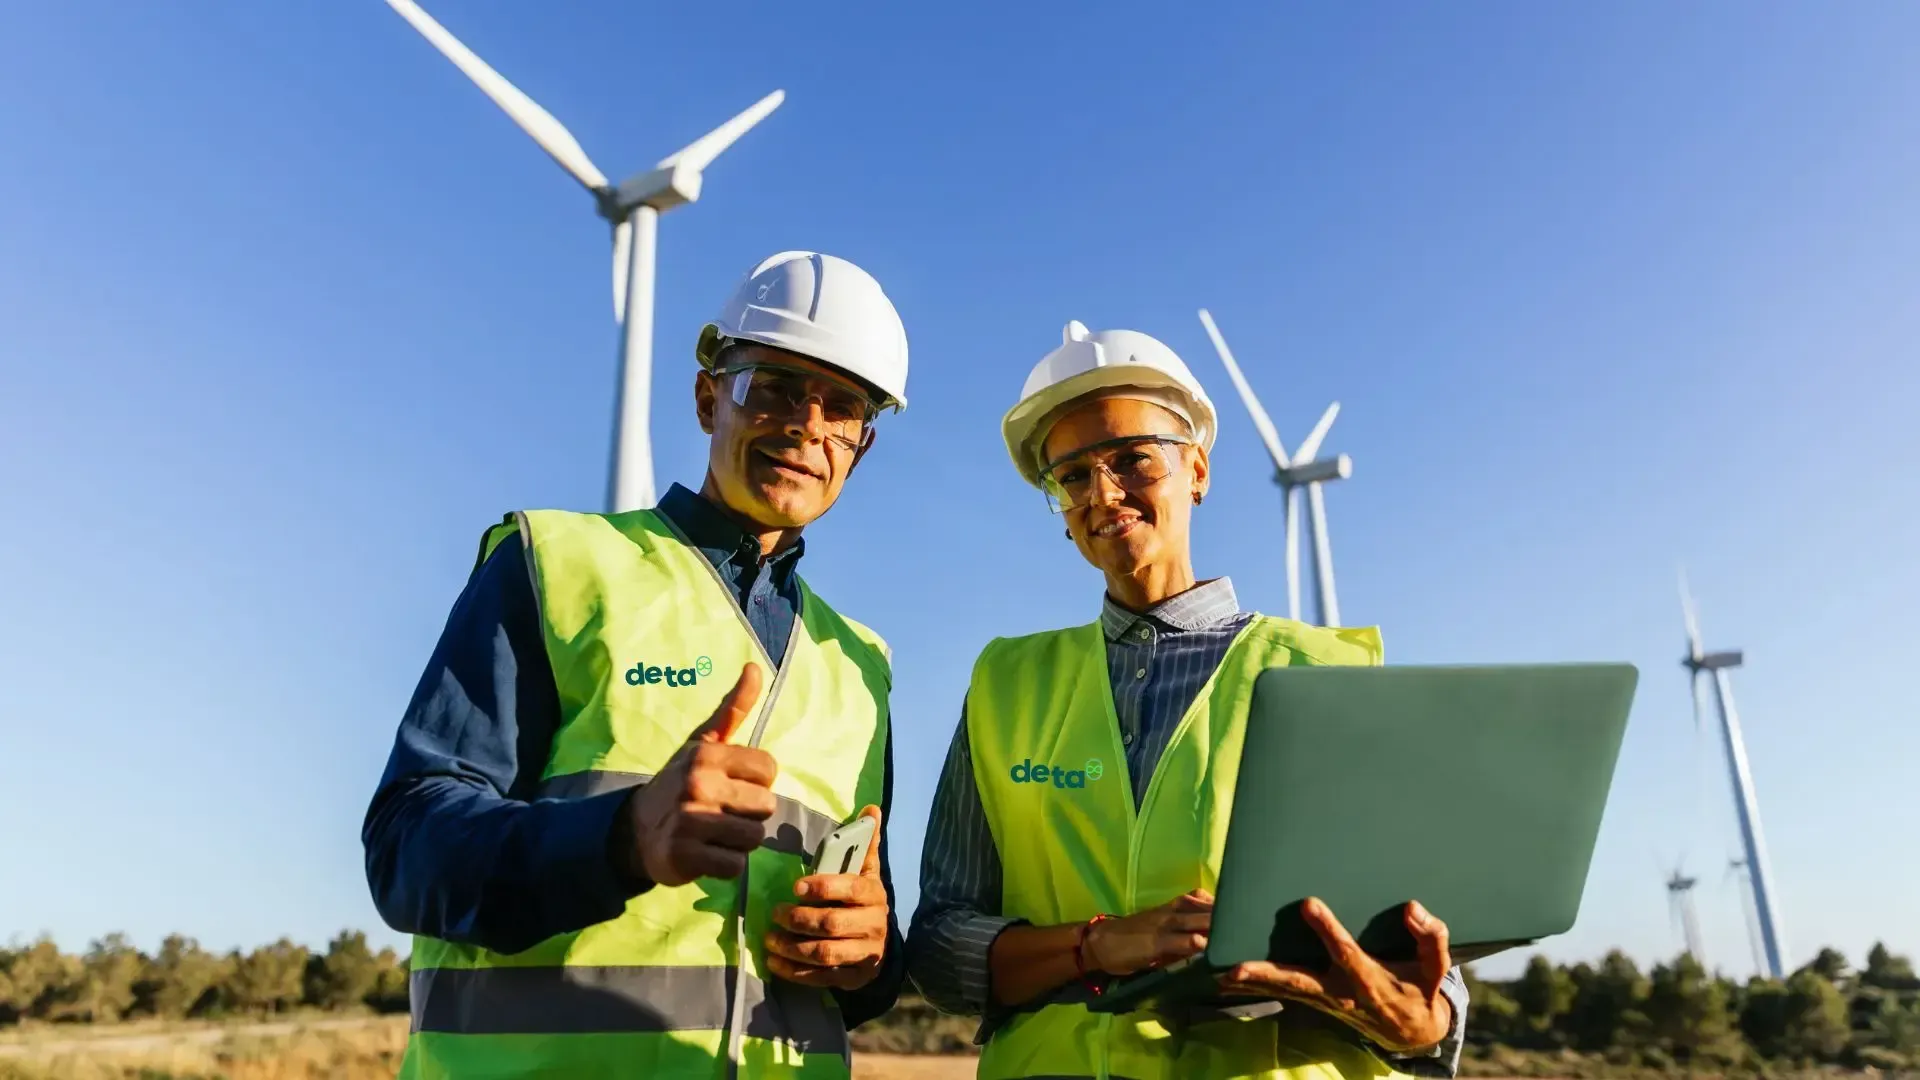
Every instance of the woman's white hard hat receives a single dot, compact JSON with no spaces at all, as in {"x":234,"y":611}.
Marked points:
{"x":822,"y":307}
{"x":1103,"y":363}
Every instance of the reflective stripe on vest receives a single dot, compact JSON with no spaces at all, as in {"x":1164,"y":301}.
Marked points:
{"x":678,"y":981}
{"x":1053,"y":778}
{"x":579,"y":1000}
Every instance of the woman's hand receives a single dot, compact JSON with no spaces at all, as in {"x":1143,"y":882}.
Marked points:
{"x":1029,"y":962}
{"x":1399,"y":1007}
{"x":1173,"y":931}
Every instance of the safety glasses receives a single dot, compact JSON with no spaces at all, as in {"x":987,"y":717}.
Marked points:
{"x":1134,"y":463}
{"x":776,"y":390}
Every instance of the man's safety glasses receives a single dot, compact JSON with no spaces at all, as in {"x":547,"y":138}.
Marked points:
{"x":778,"y":391}
{"x":1134,"y":463}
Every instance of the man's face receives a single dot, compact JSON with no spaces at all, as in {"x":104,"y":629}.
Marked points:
{"x":777,"y":464}
{"x":1119,"y":530}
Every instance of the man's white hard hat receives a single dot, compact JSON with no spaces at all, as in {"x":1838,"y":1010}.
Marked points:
{"x":1123,"y":363}
{"x":822,"y":307}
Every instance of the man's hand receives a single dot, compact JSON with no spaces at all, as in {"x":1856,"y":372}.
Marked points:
{"x":836,"y":936}
{"x":707,"y":809}
{"x":1173,"y":931}
{"x":1400,"y":1007}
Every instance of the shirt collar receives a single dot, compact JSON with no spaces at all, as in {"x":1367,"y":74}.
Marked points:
{"x":1207,"y":604}
{"x":716,"y":534}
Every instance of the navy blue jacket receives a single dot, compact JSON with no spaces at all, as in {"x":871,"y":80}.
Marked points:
{"x":457,"y":845}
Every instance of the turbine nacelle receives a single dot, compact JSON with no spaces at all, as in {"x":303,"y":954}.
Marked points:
{"x":1715,"y":661}
{"x":663,"y":189}
{"x":1325,"y":470}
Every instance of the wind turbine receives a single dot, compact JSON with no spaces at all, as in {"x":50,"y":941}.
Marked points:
{"x":1759,"y":879}
{"x":632,"y":208}
{"x":1303,"y":469}
{"x":1680,"y":900}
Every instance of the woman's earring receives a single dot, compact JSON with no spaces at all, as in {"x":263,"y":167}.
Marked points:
{"x":1069,"y":534}
{"x":1198,"y":496}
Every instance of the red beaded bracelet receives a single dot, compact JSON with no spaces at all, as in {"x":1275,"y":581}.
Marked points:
{"x":1080,"y":953}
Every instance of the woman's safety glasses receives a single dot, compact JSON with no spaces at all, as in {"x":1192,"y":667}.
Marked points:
{"x":1134,"y":463}
{"x":774,"y":390}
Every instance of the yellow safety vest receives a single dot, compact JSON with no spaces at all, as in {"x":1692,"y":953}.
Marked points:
{"x":645,"y":640}
{"x":1052,"y":776}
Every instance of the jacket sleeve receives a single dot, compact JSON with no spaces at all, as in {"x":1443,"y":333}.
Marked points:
{"x":877,"y":997}
{"x":457,"y":847}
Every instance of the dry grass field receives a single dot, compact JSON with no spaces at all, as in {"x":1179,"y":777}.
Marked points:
{"x":912,"y":1067}
{"x":343,"y":1048}
{"x":315,"y":1049}
{"x":322,"y":1047}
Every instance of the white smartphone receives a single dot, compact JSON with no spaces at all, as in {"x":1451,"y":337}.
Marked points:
{"x":844,"y":851}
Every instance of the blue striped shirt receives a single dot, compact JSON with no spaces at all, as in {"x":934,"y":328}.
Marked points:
{"x":1157,"y":662}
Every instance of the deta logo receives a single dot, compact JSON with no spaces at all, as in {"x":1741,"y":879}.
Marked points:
{"x":643,"y":674}
{"x":1028,"y":773}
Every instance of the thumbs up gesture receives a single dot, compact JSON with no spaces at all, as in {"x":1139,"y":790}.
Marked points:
{"x":708,"y":808}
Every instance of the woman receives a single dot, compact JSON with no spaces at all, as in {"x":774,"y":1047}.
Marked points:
{"x":1077,"y":829}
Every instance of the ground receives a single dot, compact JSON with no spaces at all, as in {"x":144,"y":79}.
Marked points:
{"x":302,"y":1048}
{"x":892,"y":1067}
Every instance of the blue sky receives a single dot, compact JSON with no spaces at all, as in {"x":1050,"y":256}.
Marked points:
{"x":289,"y":312}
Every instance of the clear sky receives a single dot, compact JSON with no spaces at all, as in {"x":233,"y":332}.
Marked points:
{"x":289,"y":313}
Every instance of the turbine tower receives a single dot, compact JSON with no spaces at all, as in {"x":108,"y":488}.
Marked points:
{"x":632,"y":208}
{"x":1303,"y":469}
{"x":1680,"y":900}
{"x":1759,"y":880}
{"x":1737,"y":868}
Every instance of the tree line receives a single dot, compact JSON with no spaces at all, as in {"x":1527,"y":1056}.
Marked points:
{"x":1678,"y":1015}
{"x":113,"y":981}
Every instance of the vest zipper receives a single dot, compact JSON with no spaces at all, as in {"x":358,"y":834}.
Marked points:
{"x":1138,"y":815}
{"x":737,"y":986}
{"x":1153,"y":783}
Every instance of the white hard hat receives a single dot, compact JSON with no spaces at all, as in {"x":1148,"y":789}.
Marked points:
{"x":1105,"y":360}
{"x":822,"y":307}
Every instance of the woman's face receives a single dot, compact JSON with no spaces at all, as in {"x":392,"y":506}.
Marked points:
{"x":1124,"y":531}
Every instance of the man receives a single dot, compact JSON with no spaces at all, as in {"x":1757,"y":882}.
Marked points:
{"x":635,"y":731}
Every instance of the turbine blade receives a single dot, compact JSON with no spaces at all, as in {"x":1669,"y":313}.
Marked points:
{"x":552,"y":136}
{"x":1698,"y":708}
{"x":1693,"y":620}
{"x":1261,"y":422}
{"x":700,"y":153}
{"x":622,"y":252}
{"x":1311,"y":447}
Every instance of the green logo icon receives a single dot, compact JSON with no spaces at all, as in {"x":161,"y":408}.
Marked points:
{"x":703,"y":665}
{"x":1094,"y":769}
